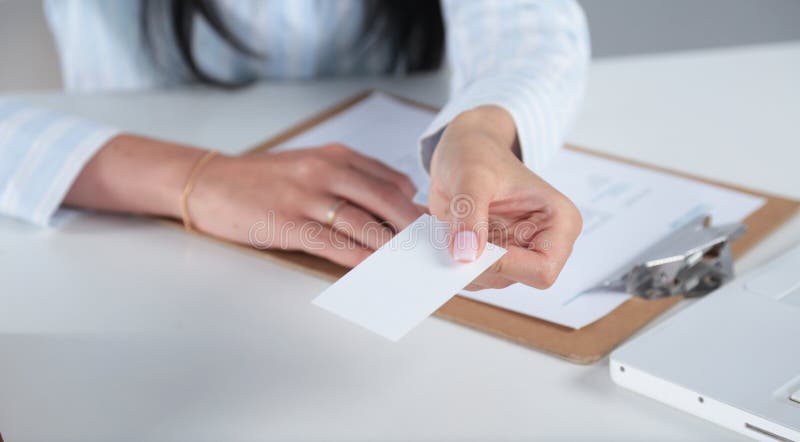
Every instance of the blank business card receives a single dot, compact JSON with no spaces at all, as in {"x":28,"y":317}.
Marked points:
{"x":404,"y":281}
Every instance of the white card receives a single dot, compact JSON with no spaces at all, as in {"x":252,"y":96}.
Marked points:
{"x":404,"y":281}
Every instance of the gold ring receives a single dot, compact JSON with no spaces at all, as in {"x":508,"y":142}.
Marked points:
{"x":330,"y":217}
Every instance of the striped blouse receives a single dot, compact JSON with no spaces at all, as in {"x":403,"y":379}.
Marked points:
{"x":527,"y":56}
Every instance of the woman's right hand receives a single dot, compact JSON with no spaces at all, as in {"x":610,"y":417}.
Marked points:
{"x":282,"y":201}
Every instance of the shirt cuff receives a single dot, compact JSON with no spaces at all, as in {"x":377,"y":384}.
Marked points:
{"x":46,"y":151}
{"x":537,"y":112}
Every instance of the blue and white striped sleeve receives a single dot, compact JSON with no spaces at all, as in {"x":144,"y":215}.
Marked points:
{"x":527,"y":56}
{"x":41,"y":153}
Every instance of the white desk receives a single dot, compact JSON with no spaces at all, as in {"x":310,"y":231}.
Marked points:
{"x":122,"y":329}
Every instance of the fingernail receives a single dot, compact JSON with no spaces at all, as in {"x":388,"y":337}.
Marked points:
{"x":465,"y":246}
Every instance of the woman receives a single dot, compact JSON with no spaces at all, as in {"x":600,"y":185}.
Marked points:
{"x":517,"y":75}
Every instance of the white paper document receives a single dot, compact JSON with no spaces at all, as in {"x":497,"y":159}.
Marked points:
{"x":404,"y":281}
{"x":625,"y":208}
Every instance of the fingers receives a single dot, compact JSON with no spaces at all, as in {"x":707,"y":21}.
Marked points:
{"x":519,"y":265}
{"x":378,"y":170}
{"x":539,"y":265}
{"x":377,"y":196}
{"x":353,"y":221}
{"x":332,"y":245}
{"x":529,"y":267}
{"x":469,"y":215}
{"x":540,"y":262}
{"x":489,"y":280}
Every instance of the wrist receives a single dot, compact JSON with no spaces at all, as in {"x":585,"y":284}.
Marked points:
{"x":489,"y":121}
{"x":188,"y":188}
{"x":161,"y":170}
{"x":136,"y":175}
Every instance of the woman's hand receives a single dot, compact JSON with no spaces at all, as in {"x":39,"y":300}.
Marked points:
{"x":279,"y":200}
{"x":282,"y":201}
{"x":487,"y":194}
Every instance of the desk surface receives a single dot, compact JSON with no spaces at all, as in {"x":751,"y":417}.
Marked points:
{"x":115,"y":328}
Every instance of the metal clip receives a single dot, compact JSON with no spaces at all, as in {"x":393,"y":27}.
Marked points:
{"x":692,"y":261}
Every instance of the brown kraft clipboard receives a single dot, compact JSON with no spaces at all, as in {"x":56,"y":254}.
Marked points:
{"x":583,"y":346}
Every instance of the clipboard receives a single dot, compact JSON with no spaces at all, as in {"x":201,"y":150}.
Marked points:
{"x":583,"y":346}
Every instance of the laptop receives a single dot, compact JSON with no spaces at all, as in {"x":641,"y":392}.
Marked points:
{"x":732,"y":358}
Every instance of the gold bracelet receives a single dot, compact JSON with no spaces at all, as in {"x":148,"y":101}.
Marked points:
{"x":187,"y":189}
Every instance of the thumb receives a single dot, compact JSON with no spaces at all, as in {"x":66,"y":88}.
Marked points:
{"x":469,"y":218}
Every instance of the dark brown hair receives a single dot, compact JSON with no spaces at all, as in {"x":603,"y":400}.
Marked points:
{"x":413,"y":27}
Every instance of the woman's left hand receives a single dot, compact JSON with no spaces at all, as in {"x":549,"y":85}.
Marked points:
{"x":479,"y":186}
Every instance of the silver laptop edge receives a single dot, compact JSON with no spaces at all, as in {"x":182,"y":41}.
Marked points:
{"x":732,"y":358}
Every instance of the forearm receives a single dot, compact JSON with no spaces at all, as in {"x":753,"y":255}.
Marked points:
{"x":134,"y":174}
